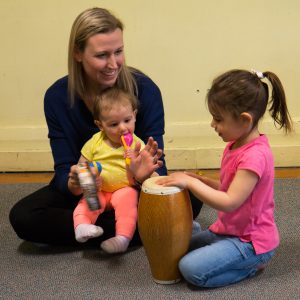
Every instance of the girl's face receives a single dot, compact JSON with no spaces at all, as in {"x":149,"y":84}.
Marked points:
{"x":102,"y":58}
{"x":230,"y":128}
{"x":117,"y":121}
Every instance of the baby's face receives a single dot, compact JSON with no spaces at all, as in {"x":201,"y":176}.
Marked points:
{"x":117,"y":121}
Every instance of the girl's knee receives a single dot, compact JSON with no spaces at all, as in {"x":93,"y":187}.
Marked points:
{"x":190,"y":274}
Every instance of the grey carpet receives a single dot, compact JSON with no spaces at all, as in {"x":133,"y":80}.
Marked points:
{"x":29,"y":272}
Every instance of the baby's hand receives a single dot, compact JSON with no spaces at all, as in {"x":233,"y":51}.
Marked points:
{"x":99,"y":182}
{"x":129,"y":153}
{"x":98,"y":178}
{"x":145,"y":162}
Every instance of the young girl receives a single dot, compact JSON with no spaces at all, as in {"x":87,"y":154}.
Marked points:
{"x":114,"y":114}
{"x":244,"y":237}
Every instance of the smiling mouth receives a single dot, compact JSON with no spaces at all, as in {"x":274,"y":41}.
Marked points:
{"x":110,"y":74}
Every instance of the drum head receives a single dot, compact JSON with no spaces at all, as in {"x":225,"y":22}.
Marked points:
{"x":150,"y":187}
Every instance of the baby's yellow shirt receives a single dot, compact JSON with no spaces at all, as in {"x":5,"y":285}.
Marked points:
{"x":112,"y":160}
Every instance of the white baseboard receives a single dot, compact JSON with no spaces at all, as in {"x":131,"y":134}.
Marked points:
{"x":25,"y":156}
{"x":27,"y":149}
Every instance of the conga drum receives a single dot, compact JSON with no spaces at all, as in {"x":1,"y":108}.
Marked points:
{"x":165,"y":227}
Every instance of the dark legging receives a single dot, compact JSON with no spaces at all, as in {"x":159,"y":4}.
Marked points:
{"x":46,"y":216}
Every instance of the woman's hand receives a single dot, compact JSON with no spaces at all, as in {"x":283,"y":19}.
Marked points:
{"x":73,"y":182}
{"x":144,"y":163}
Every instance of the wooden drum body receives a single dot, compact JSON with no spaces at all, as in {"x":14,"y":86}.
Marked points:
{"x":165,"y":227}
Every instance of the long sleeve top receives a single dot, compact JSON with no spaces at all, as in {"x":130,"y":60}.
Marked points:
{"x":70,"y":126}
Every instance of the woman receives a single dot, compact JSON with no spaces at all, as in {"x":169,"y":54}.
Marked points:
{"x":96,"y":61}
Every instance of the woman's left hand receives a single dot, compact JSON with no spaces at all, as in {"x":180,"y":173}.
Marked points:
{"x":145,"y":162}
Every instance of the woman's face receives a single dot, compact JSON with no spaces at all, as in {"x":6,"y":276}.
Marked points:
{"x":102,"y":58}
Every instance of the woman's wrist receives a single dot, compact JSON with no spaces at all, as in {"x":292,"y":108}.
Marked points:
{"x":75,"y":190}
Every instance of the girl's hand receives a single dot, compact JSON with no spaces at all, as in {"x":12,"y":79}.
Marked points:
{"x":179,"y":179}
{"x":213,"y":183}
{"x":144,"y":163}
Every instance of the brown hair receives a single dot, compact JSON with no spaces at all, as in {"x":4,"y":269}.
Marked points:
{"x":239,"y":91}
{"x":90,"y":22}
{"x":110,"y":97}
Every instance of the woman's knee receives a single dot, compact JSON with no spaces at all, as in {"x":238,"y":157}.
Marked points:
{"x":25,"y":217}
{"x":19,"y":220}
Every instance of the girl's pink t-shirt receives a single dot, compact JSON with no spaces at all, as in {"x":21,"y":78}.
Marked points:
{"x":254,"y":220}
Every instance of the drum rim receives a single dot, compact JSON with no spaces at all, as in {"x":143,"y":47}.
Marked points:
{"x":166,"y":190}
{"x":172,"y":190}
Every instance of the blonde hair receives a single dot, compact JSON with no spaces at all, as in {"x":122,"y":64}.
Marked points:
{"x":90,"y":22}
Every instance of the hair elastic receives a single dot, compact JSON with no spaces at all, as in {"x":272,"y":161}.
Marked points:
{"x":259,"y":74}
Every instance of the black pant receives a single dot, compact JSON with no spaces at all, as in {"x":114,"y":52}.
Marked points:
{"x":46,"y":216}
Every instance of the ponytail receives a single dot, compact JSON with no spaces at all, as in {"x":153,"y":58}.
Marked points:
{"x":278,"y":109}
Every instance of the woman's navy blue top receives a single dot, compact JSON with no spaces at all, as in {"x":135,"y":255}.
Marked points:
{"x":70,"y":126}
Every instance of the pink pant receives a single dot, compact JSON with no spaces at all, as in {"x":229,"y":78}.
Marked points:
{"x":124,"y":201}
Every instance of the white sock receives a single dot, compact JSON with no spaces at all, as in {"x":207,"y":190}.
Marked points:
{"x":116,"y":244}
{"x":83,"y":232}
